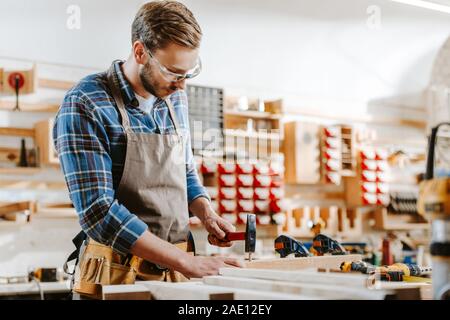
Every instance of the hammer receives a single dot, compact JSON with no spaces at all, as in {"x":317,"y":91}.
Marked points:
{"x":249,"y":235}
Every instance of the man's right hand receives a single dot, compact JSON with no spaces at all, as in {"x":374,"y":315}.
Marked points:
{"x":151,"y":248}
{"x":197,"y":267}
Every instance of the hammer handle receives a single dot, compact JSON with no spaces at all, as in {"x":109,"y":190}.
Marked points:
{"x":233,"y":236}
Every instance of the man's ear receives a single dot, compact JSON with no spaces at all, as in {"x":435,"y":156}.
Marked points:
{"x":139,"y":53}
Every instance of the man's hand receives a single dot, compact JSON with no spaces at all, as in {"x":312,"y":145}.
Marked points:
{"x":197,"y":266}
{"x":216,"y":226}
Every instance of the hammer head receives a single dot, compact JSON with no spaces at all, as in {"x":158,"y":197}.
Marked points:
{"x":250,"y":233}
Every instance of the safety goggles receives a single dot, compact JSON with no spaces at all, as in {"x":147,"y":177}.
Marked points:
{"x":172,"y":76}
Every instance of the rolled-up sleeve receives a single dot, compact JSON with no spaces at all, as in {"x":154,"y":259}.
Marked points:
{"x":82,"y":145}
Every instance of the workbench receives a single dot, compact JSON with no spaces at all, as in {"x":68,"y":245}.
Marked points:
{"x":30,"y":290}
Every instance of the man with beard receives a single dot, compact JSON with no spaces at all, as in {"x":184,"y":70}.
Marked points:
{"x":122,"y":138}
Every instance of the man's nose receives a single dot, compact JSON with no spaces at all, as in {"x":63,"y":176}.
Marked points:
{"x":181,"y":85}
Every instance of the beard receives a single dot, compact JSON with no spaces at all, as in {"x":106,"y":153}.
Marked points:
{"x":151,"y":85}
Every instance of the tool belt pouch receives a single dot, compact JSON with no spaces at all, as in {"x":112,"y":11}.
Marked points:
{"x":100,"y":265}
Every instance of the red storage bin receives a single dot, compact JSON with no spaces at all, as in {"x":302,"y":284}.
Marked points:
{"x":277,"y":206}
{"x":369,"y":198}
{"x":262,"y":181}
{"x":245,"y":193}
{"x":261,"y":168}
{"x":381,"y":154}
{"x":227,"y":193}
{"x":208,"y":167}
{"x":370,"y":187}
{"x":370,"y":165}
{"x":230,"y":217}
{"x":332,"y":154}
{"x":227,"y":205}
{"x":382,"y":165}
{"x":383,"y":199}
{"x":332,"y":131}
{"x":244,"y":180}
{"x":370,"y":176}
{"x":368,"y":154}
{"x":262,"y":205}
{"x":227,"y":180}
{"x":277,"y":182}
{"x":261,"y":193}
{"x":332,"y":165}
{"x":333,"y":177}
{"x":382,"y":187}
{"x":244,"y":168}
{"x":226,"y":168}
{"x":279,"y":218}
{"x":333,"y":143}
{"x":245,"y":205}
{"x":263,"y":219}
{"x":276,"y":193}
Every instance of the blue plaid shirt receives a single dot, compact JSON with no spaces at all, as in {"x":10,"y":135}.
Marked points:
{"x":91,"y":146}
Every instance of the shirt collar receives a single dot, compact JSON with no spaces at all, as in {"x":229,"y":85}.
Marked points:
{"x":127,"y":91}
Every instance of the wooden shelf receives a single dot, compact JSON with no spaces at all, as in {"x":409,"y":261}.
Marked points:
{"x":20,"y":171}
{"x":393,"y":222}
{"x":20,"y":132}
{"x":254,"y":134}
{"x":253,"y":114}
{"x":33,"y":107}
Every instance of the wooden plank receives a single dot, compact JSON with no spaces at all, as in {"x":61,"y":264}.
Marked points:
{"x":6,"y":208}
{"x":185,"y":291}
{"x":20,"y":132}
{"x":126,"y":292}
{"x":252,"y":114}
{"x":291,"y":263}
{"x":28,"y":106}
{"x":308,"y":289}
{"x":200,"y":291}
{"x":306,"y":276}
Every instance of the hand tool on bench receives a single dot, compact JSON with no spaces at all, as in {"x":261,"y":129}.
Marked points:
{"x":323,"y":245}
{"x":249,"y":236}
{"x":394,"y":272}
{"x":285,"y":246}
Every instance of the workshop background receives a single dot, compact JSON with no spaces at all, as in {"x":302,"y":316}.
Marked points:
{"x":342,"y":94}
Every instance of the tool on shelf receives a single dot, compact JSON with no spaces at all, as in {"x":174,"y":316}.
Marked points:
{"x":394,"y":272}
{"x":249,"y":236}
{"x":325,"y":245}
{"x":285,"y":246}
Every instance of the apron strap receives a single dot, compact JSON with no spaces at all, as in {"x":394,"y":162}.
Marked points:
{"x":173,"y":116}
{"x":78,"y":242}
{"x":114,"y":86}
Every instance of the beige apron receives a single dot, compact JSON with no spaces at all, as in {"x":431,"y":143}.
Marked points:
{"x":153,"y":187}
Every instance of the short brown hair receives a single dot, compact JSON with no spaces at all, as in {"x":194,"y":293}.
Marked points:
{"x":158,"y":23}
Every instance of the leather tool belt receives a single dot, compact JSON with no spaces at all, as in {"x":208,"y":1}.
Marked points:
{"x":99,"y":265}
